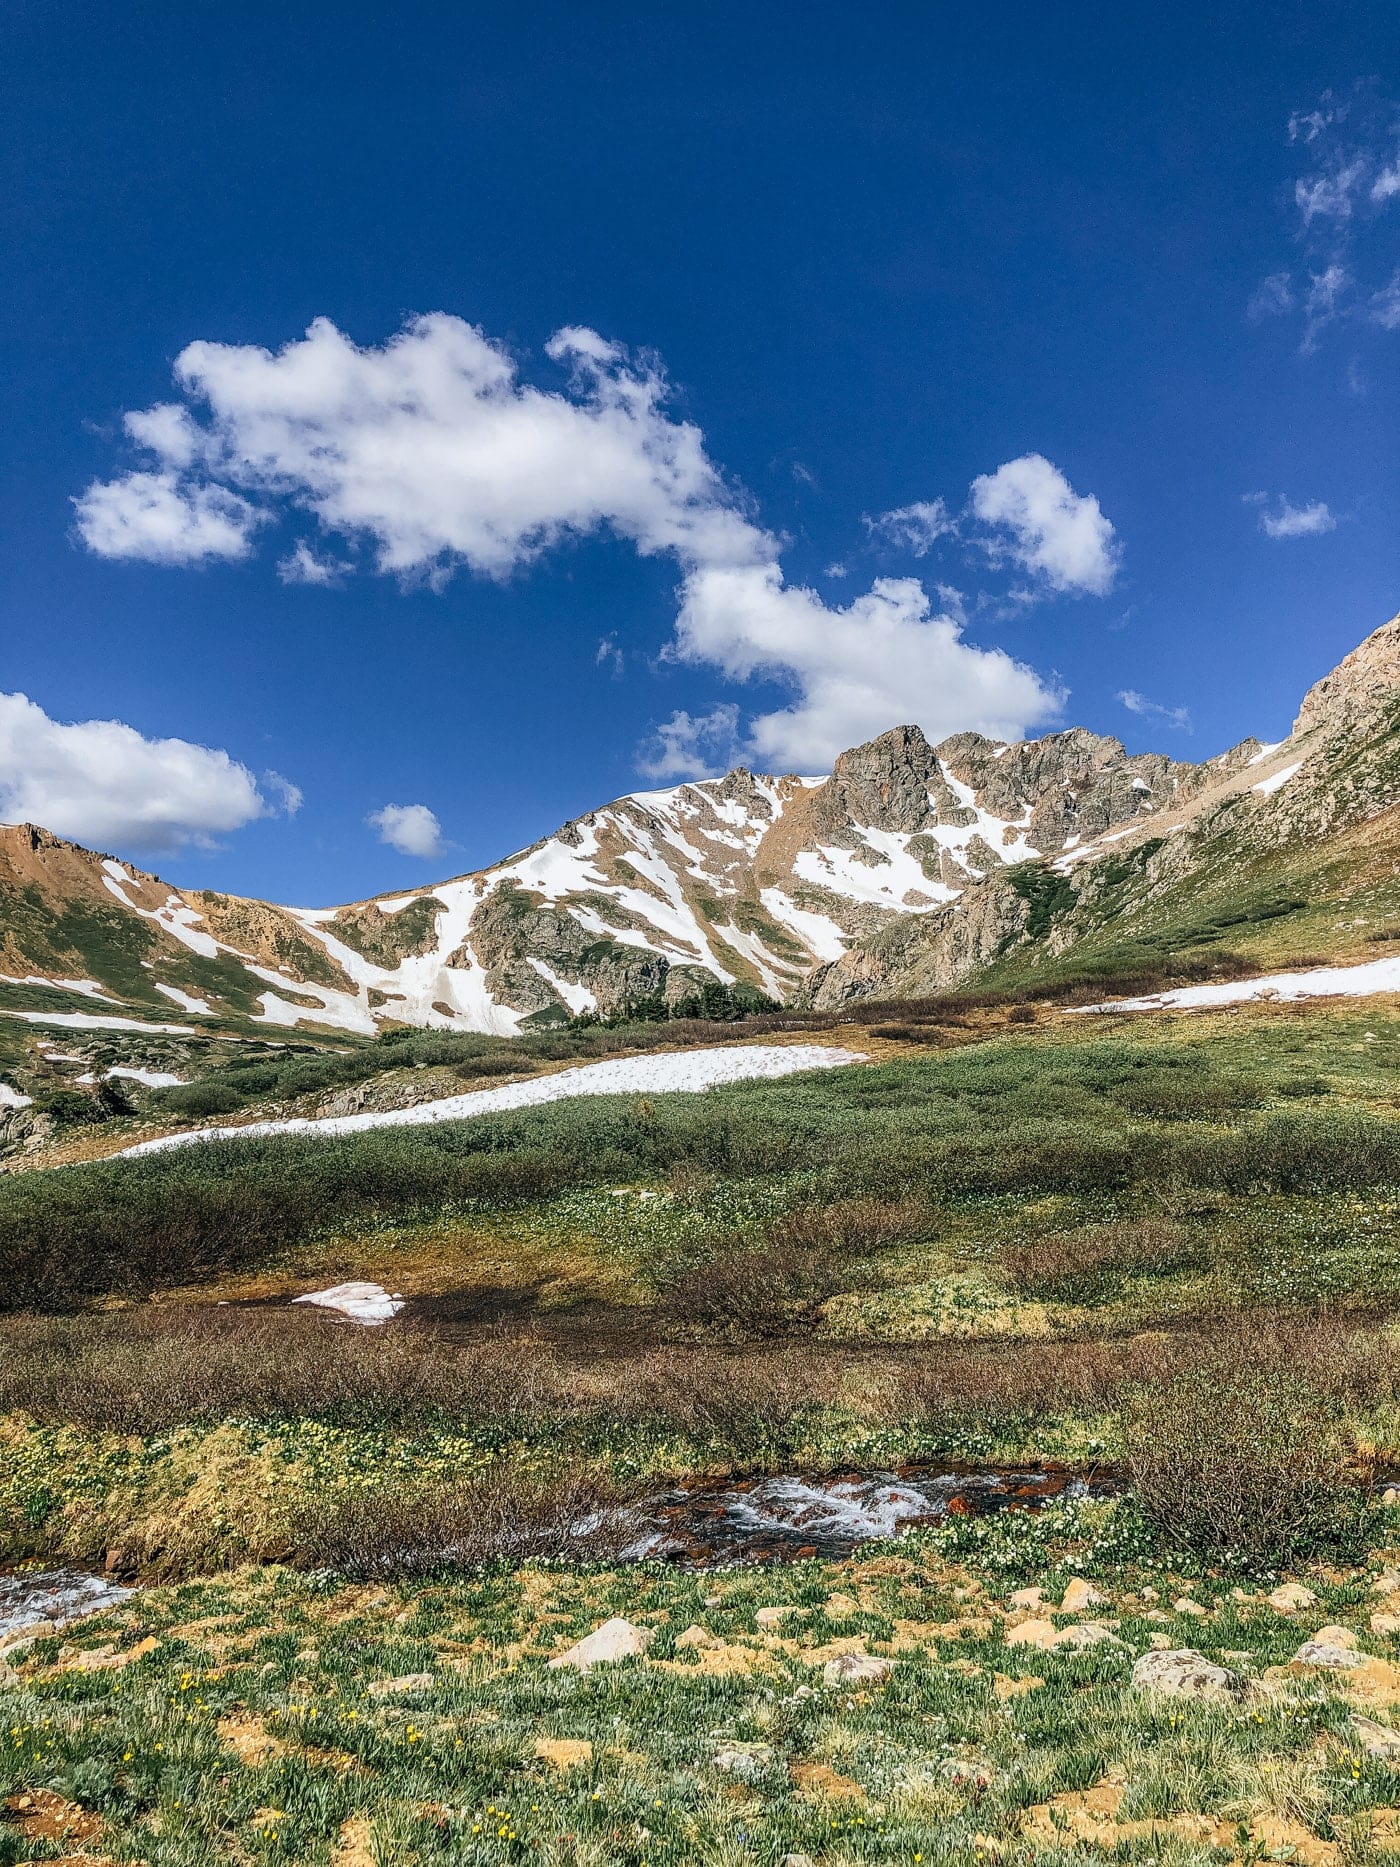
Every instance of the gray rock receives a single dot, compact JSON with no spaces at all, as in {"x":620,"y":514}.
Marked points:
{"x":1181,"y":1672}
{"x":1377,"y":1740}
{"x":856,"y":1669}
{"x":745,"y":1761}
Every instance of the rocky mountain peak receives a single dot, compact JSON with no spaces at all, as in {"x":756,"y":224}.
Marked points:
{"x":881,"y":785}
{"x":1357,"y":686}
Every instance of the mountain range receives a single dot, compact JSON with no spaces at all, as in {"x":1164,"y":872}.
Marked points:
{"x":910,"y":869}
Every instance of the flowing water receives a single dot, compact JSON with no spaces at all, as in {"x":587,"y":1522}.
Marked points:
{"x":790,"y":1517}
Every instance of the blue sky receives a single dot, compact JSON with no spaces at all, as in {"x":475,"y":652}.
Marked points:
{"x":787,"y":372}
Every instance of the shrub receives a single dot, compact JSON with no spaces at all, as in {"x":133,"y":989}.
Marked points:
{"x":761,"y":1292}
{"x":503,"y":1515}
{"x":1238,"y":1457}
{"x":1070,"y":1264}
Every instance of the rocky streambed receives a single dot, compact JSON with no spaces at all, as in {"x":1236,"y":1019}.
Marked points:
{"x":790,"y":1517}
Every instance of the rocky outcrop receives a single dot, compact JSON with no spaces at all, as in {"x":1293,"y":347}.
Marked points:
{"x":1367,"y":680}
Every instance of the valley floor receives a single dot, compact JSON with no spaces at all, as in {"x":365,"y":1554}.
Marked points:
{"x":1165,"y":1242}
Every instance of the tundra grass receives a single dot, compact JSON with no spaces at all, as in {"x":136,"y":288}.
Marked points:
{"x":268,"y":1717}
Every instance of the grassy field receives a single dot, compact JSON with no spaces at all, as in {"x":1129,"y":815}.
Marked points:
{"x":1167,"y":1244}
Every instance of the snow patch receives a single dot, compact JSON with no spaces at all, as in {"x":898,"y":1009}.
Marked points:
{"x":1267,"y":786}
{"x":186,"y":1001}
{"x":365,"y":1303}
{"x":687,"y":1070}
{"x":80,"y":1021}
{"x":1377,"y":975}
{"x":12,"y":1099}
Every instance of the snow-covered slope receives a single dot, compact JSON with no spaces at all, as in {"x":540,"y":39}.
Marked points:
{"x":908,"y":866}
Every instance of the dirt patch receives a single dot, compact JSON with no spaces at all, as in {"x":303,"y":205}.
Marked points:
{"x":41,"y":1815}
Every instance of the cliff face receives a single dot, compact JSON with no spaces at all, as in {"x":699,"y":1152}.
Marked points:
{"x":912,"y":867}
{"x":1302,"y":835}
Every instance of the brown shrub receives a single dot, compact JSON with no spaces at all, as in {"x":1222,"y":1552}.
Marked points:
{"x":1061,"y":1263}
{"x":493,"y":1516}
{"x":1242,"y":1458}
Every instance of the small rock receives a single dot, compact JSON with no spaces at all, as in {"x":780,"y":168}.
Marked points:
{"x":1329,"y":1655}
{"x":1385,"y":1623}
{"x":1187,"y":1606}
{"x":1181,"y":1672}
{"x":744,"y":1760}
{"x":840,"y":1607}
{"x":1390,"y":1497}
{"x":1387,"y":1584}
{"x":1032,"y":1634}
{"x":1240,"y":1594}
{"x":770,"y":1617}
{"x":410,"y":1682}
{"x":1156,"y":1614}
{"x":1028,"y":1598}
{"x":797,"y":1860}
{"x":1045,"y":1634}
{"x":1149,"y":1593}
{"x":696,"y":1636}
{"x":856,"y":1669}
{"x":967,"y":1772}
{"x":1162,"y":1642}
{"x":1291,"y":1597}
{"x":1080,"y":1595}
{"x":1377,"y":1740}
{"x":1087,"y":1634}
{"x":616,"y":1639}
{"x":1336,"y":1637}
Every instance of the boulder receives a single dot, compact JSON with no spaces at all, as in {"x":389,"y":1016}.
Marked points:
{"x":1330,"y":1655}
{"x":616,"y":1639}
{"x":1181,"y":1672}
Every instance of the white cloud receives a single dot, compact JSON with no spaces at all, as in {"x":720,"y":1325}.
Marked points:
{"x":1289,"y":521}
{"x":433,"y":453}
{"x":152,"y":516}
{"x":1384,"y":305}
{"x":102,"y":782}
{"x":412,"y":829}
{"x":858,"y":670}
{"x":609,"y":655}
{"x":914,"y":528}
{"x":1352,"y":175}
{"x":1273,"y":298}
{"x":1057,"y":534}
{"x":688,"y":745}
{"x":1176,"y":717}
{"x":302,"y":564}
{"x":1331,"y":195}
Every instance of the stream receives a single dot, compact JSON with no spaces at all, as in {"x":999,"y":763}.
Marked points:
{"x":789,"y":1518}
{"x":704,"y":1523}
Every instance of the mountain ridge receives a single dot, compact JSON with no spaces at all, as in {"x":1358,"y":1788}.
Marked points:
{"x":910,"y":867}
